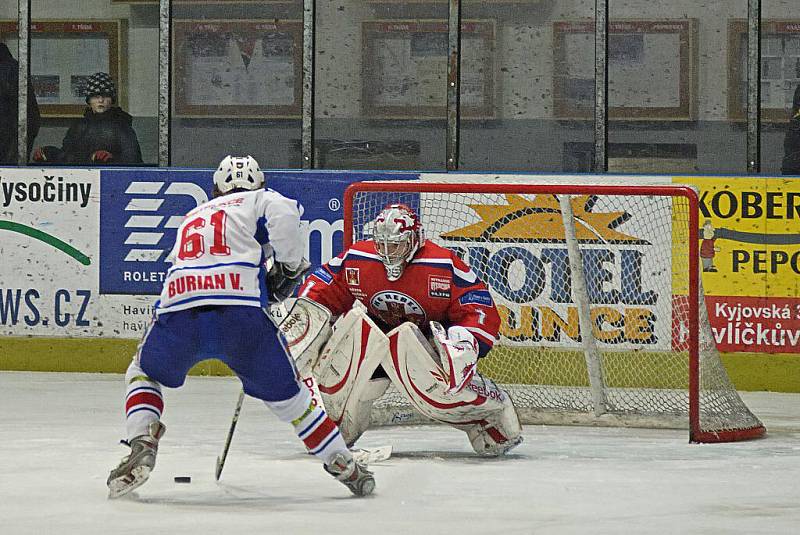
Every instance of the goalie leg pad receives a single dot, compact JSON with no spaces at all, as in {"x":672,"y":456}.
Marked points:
{"x":497,"y":433}
{"x":413,"y":367}
{"x":358,"y":409}
{"x":482,"y":409}
{"x":345,"y":367}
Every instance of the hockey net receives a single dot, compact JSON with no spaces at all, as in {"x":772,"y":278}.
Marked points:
{"x":599,"y":291}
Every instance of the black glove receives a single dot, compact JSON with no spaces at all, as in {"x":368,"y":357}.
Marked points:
{"x":283,"y":282}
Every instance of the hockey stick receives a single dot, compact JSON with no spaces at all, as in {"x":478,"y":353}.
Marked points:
{"x":235,"y":419}
{"x":221,"y":458}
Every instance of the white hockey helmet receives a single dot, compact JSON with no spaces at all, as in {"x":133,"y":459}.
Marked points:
{"x":398,"y":236}
{"x":238,"y":172}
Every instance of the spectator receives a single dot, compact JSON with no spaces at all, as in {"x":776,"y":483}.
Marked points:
{"x":791,"y":143}
{"x":9,"y":111}
{"x":104,"y":136}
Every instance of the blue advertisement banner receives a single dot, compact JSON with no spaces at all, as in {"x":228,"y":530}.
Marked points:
{"x":141,"y":209}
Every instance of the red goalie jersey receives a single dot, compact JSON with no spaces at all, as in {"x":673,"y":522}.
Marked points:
{"x":435,"y":286}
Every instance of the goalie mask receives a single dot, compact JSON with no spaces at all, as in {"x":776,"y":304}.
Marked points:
{"x":397,"y":236}
{"x":236,"y":172}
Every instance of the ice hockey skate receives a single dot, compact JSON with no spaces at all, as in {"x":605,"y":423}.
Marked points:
{"x":352,"y":474}
{"x":134,"y":469}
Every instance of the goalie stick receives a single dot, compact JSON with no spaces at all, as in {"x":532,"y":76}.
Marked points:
{"x":371,"y":455}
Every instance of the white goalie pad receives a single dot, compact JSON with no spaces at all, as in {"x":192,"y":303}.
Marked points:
{"x":344,"y":372}
{"x":481,"y":409}
{"x":305,"y":326}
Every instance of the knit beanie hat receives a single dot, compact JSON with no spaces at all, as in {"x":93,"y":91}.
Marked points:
{"x":100,"y":83}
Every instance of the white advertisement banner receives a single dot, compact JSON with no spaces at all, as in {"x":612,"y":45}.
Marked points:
{"x":80,"y":264}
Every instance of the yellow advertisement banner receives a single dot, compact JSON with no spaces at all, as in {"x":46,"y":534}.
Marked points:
{"x":749,"y":242}
{"x":749,"y":235}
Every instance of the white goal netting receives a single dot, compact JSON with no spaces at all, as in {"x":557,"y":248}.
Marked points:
{"x":598,"y":289}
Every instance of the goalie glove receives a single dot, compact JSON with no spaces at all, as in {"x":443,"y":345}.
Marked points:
{"x":458,"y":351}
{"x":283,"y":281}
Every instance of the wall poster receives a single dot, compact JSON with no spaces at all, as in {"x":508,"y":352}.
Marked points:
{"x":652,"y":70}
{"x":225,"y":68}
{"x":780,"y":68}
{"x":405,"y":69}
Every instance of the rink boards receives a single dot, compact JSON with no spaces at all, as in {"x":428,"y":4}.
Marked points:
{"x":84,"y":255}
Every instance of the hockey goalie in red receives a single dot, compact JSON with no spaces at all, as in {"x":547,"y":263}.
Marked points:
{"x":414,"y":314}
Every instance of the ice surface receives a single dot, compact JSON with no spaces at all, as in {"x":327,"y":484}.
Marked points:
{"x":58,"y":436}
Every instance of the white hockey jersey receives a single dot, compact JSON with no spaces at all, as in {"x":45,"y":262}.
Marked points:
{"x":221,"y":247}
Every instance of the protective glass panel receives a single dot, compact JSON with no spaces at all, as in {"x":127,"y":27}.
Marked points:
{"x":527,"y":86}
{"x":673,"y":104}
{"x":237,"y":82}
{"x":381,"y":85}
{"x":780,"y":87}
{"x":104,"y":49}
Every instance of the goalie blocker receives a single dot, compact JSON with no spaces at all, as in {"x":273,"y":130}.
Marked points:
{"x":453,"y":394}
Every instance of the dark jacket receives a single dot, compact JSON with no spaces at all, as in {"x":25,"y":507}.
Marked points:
{"x":109,"y":131}
{"x":9,"y":112}
{"x":791,"y":143}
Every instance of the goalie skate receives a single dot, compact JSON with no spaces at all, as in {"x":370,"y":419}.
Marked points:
{"x":134,"y":469}
{"x":352,"y":474}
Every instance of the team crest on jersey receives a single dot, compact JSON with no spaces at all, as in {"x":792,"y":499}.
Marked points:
{"x":352,"y":276}
{"x":394,"y":308}
{"x":438,"y":286}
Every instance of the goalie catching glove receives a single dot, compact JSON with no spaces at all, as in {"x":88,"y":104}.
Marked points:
{"x":283,"y":281}
{"x":458,"y":351}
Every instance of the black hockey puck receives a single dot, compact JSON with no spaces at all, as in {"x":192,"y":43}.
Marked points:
{"x":183,"y":479}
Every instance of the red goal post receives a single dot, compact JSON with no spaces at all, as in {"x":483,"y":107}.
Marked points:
{"x":620,"y":338}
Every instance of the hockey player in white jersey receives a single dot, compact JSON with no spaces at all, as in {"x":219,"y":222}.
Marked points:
{"x":211,"y":306}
